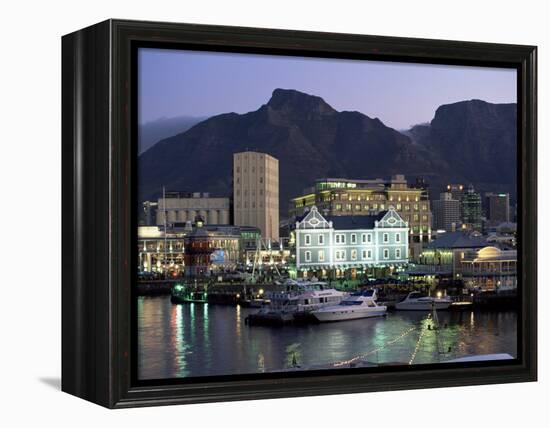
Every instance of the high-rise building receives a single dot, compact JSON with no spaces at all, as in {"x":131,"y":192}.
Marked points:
{"x":498,"y":207}
{"x":471,"y":210}
{"x":456,"y":190}
{"x":446,"y":213}
{"x":256,"y":192}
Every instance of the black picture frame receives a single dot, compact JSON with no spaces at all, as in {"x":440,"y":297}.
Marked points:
{"x":99,"y":208}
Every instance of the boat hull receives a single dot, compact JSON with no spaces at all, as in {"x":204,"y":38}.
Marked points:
{"x":422,"y":306}
{"x":339,"y":315}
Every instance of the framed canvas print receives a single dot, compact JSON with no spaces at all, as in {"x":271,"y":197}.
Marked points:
{"x":253,"y":213}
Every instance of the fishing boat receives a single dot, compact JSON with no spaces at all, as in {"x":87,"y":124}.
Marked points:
{"x":416,"y":301}
{"x":182,"y":293}
{"x":358,"y":305}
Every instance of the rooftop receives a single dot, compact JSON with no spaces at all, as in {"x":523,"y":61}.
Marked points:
{"x":459,"y":239}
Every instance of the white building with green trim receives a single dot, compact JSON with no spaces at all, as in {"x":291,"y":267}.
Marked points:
{"x":348,"y":242}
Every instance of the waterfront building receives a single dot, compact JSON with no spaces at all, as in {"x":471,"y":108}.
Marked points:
{"x":444,"y":254}
{"x":446,"y":213}
{"x":471,"y":210}
{"x":185,"y":206}
{"x":211,"y":250}
{"x":351,"y":197}
{"x":340,"y":243}
{"x":497,"y":208}
{"x":165,"y":252}
{"x":256,"y":192}
{"x":489,"y":269}
{"x":160,"y":252}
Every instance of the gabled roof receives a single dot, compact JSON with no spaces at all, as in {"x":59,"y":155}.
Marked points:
{"x":458,"y":239}
{"x":345,"y":222}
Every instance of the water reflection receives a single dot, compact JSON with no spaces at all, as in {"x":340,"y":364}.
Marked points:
{"x":201,"y":340}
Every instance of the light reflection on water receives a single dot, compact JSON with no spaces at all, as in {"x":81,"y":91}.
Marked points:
{"x":200,"y":340}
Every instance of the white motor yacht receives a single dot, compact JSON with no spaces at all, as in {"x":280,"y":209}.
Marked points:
{"x":297,"y":304}
{"x":357,"y":305}
{"x":416,"y":301}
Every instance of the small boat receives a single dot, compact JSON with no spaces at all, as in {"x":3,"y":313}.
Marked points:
{"x":181,"y":293}
{"x":358,"y":305}
{"x":416,"y":301}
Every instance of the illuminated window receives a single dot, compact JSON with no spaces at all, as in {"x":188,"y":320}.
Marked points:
{"x":354,"y":254}
{"x":321,"y":255}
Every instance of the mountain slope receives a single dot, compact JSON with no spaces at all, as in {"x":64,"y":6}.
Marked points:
{"x":310,"y":139}
{"x":466,"y":142}
{"x":478,"y":139}
{"x":154,"y":131}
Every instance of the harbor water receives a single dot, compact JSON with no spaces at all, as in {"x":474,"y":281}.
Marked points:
{"x":188,"y":340}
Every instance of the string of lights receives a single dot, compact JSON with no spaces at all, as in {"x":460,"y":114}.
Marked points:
{"x":417,"y":347}
{"x":387,"y":344}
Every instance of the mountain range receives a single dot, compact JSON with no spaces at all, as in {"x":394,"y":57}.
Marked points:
{"x":164,"y":127}
{"x":466,"y":142}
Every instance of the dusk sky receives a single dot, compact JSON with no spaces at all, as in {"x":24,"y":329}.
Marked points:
{"x":185,"y":83}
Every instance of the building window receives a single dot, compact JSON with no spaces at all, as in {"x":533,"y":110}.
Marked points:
{"x":363,"y":238}
{"x":321,"y":239}
{"x":308,"y":256}
{"x":397,"y":237}
{"x":386,"y":237}
{"x":354,"y":238}
{"x":340,"y":238}
{"x":354,"y":254}
{"x":338,"y":207}
{"x":366,"y":254}
{"x":386,"y":254}
{"x":397,"y":253}
{"x":348,"y":207}
{"x":340,"y":255}
{"x":357,"y":207}
{"x":307,"y":239}
{"x":321,"y":255}
{"x":369,"y":237}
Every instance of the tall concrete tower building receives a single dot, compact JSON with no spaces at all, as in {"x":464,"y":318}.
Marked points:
{"x":256,"y":192}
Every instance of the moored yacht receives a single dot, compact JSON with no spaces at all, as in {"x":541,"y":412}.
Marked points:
{"x":358,"y":305}
{"x":416,"y":301}
{"x":286,"y":306}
